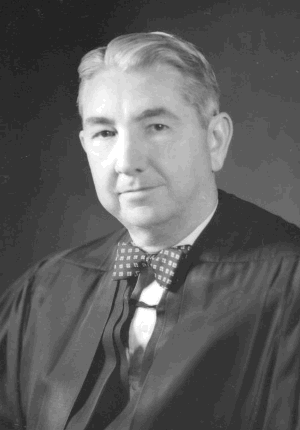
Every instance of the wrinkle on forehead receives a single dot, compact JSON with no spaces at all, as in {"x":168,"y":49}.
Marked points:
{"x":134,"y":91}
{"x":154,"y":112}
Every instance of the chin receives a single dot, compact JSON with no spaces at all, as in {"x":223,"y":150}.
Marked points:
{"x":141,"y":217}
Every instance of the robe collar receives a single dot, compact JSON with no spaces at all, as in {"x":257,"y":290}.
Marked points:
{"x":236,"y":229}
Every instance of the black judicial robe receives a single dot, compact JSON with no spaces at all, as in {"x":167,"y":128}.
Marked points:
{"x":231,"y":360}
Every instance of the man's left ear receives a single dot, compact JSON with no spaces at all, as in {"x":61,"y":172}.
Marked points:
{"x":81,"y":137}
{"x":219,"y":135}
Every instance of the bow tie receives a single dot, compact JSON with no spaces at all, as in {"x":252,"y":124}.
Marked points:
{"x":130,"y":260}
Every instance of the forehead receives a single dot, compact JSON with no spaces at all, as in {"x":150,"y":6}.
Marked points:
{"x":117,"y":92}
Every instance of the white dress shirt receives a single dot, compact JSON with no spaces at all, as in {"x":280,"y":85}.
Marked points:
{"x":144,"y":319}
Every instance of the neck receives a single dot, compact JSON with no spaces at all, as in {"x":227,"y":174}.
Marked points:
{"x":156,"y":237}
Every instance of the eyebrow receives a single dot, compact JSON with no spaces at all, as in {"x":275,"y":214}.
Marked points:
{"x":146,"y":114}
{"x":99,"y":120}
{"x":159,"y":111}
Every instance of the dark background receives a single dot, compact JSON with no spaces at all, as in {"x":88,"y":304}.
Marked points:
{"x":48,"y":201}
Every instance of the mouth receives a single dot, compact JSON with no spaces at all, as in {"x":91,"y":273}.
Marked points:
{"x":137,"y":190}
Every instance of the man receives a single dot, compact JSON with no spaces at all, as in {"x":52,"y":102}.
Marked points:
{"x":193,"y":319}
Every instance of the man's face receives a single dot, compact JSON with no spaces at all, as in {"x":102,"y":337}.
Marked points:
{"x":147,"y":151}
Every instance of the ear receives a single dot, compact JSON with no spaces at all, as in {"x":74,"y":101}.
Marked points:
{"x":81,"y":137}
{"x":219,"y":135}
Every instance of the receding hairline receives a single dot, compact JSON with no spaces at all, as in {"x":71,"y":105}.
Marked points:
{"x":140,"y":69}
{"x":139,"y":51}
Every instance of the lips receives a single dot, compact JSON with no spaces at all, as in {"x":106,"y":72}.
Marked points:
{"x":135,"y":190}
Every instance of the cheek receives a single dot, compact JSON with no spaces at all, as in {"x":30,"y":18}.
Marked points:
{"x":185,"y":172}
{"x":102,"y":176}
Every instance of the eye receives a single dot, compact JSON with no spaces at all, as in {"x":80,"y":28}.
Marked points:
{"x":104,"y":134}
{"x":158,"y":127}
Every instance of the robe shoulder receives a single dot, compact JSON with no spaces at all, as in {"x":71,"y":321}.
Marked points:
{"x":242,"y":230}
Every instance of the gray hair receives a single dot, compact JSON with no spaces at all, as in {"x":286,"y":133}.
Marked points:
{"x":140,"y":51}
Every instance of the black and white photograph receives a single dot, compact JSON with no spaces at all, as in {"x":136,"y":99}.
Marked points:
{"x":150,"y":216}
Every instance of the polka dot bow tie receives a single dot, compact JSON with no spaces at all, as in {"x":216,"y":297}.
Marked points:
{"x":130,"y":260}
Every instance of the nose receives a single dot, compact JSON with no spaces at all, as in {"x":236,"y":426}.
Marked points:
{"x":131,"y":154}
